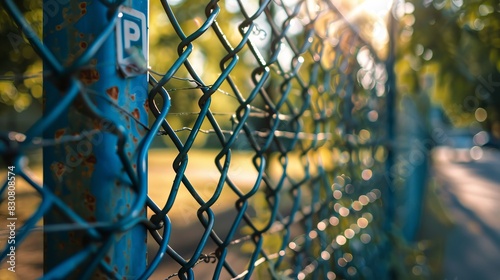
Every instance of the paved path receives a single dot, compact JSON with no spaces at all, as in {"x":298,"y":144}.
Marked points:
{"x":471,"y":195}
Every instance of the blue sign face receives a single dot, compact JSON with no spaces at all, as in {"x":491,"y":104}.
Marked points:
{"x":131,"y":41}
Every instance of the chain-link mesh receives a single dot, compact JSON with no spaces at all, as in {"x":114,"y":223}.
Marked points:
{"x":289,"y":102}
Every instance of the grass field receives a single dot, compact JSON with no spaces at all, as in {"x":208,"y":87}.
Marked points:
{"x":203,"y":175}
{"x":201,"y":172}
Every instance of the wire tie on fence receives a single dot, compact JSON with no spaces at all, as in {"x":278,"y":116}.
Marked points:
{"x":155,"y":222}
{"x":208,"y":258}
{"x":258,"y":31}
{"x":152,"y":226}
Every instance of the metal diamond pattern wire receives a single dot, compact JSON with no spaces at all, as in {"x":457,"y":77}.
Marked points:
{"x":316,"y":100}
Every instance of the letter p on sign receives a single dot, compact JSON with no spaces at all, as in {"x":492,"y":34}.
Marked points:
{"x":131,"y":42}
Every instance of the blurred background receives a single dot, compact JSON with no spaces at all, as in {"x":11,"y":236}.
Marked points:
{"x":446,"y":171}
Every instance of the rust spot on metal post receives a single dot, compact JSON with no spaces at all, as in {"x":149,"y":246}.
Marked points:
{"x":59,"y":133}
{"x":91,"y":159}
{"x":89,"y":198}
{"x":58,"y":169}
{"x":113,"y":92}
{"x":89,"y":76}
{"x":135,"y":113}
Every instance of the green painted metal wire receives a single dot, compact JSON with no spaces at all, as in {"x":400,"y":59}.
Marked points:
{"x":316,"y":100}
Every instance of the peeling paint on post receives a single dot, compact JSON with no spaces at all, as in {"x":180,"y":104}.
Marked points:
{"x":88,"y":174}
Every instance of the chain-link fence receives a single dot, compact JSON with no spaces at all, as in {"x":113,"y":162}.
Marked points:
{"x":280,"y":107}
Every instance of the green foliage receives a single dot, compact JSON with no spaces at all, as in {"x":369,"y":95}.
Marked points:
{"x":207,"y":54}
{"x":20,"y":67}
{"x":456,"y":44}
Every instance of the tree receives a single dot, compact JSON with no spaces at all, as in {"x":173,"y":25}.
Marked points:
{"x":20,"y":67}
{"x":457,"y":44}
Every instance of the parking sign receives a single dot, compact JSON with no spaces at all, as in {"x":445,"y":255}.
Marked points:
{"x":131,"y":42}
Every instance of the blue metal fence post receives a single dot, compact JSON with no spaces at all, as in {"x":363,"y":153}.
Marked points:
{"x":102,"y":47}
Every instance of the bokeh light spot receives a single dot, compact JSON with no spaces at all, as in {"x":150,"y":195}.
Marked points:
{"x":480,"y":114}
